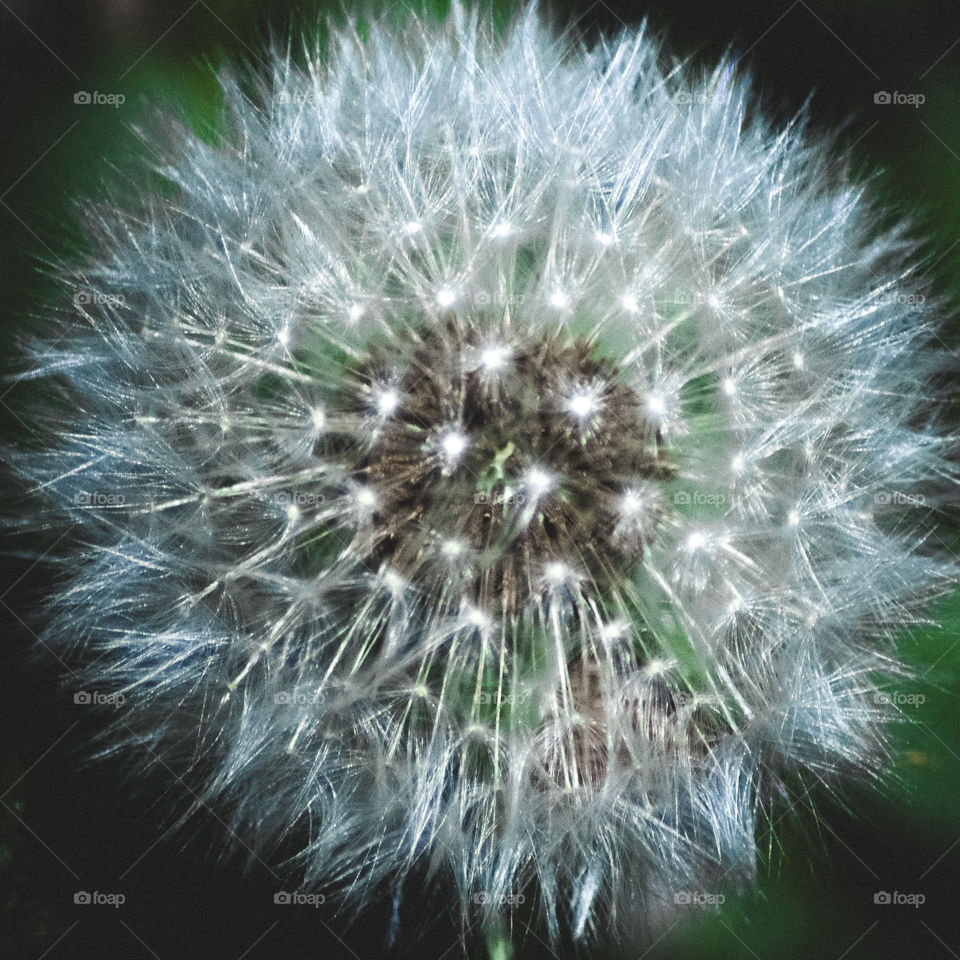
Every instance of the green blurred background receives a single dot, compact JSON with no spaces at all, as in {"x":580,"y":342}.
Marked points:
{"x":67,"y":826}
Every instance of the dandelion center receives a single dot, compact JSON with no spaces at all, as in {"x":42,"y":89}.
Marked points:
{"x":526,"y":472}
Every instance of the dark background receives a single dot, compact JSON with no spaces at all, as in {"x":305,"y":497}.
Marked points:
{"x":67,"y":825}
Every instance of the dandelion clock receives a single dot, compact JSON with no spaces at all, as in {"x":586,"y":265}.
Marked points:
{"x":487,"y":458}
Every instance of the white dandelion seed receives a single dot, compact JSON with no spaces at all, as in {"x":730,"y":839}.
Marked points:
{"x":720,"y":536}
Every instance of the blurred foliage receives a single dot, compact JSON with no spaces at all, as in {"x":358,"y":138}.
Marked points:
{"x":66,"y":827}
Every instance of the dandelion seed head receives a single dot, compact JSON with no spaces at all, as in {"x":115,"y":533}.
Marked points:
{"x":394,"y":582}
{"x":494,"y":358}
{"x":387,"y":402}
{"x":538,"y":481}
{"x":453,"y":548}
{"x":657,"y":404}
{"x":496,"y":372}
{"x":583,"y":404}
{"x":446,"y":297}
{"x":478,"y":618}
{"x":629,"y":303}
{"x":366,"y":498}
{"x":696,"y":540}
{"x":454,"y":444}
